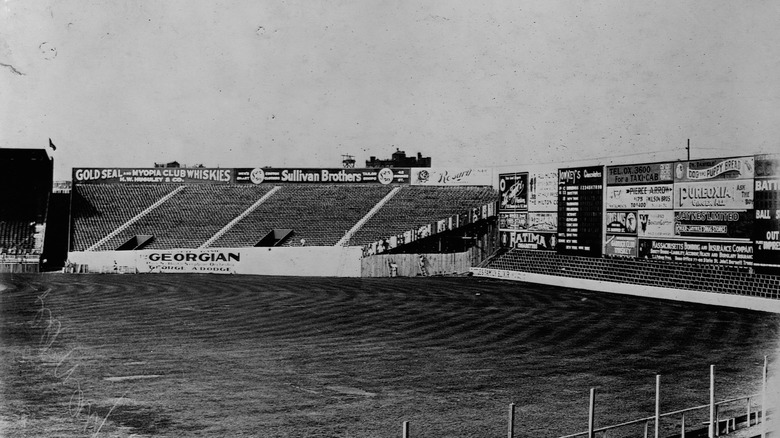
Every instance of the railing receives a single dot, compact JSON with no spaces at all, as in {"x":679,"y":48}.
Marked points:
{"x":714,"y":423}
{"x":730,"y":423}
{"x":716,"y":426}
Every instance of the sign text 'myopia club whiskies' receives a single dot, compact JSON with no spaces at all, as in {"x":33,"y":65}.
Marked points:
{"x":153,"y":175}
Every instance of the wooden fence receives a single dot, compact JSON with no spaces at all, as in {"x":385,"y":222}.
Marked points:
{"x":408,"y":265}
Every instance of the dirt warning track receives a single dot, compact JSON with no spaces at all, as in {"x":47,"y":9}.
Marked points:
{"x":199,"y":355}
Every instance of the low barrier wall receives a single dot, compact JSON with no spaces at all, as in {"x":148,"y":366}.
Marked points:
{"x":408,"y":265}
{"x":319,"y":261}
{"x":699,"y":283}
{"x":19,"y":268}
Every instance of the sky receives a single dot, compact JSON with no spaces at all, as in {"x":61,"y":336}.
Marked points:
{"x":471,"y":84}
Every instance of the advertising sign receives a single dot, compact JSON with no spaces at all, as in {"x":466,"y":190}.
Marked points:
{"x":513,"y":221}
{"x":622,"y":222}
{"x":656,"y":223}
{"x":621,"y":246}
{"x":724,"y":253}
{"x":513,"y":189}
{"x":259,"y":175}
{"x":717,"y":168}
{"x":214,"y":261}
{"x":717,"y":224}
{"x":766,"y":237}
{"x":714,"y":195}
{"x":766,"y":228}
{"x":640,"y":174}
{"x":543,"y":222}
{"x":651,"y":196}
{"x":580,"y":200}
{"x":543,"y":190}
{"x":152,"y":175}
{"x":526,"y":240}
{"x":432,"y":176}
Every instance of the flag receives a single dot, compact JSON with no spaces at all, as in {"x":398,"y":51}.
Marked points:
{"x":51,"y":145}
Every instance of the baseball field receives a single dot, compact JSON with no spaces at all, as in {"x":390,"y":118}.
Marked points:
{"x":208,"y":355}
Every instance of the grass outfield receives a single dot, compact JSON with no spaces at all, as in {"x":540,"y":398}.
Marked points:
{"x":206,"y":355}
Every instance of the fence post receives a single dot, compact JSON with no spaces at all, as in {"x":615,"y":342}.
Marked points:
{"x":717,"y":421}
{"x":682,"y":426}
{"x":748,"y":412}
{"x":711,"y":432}
{"x":406,"y":429}
{"x":657,"y":402}
{"x":591,"y":412}
{"x":763,"y":403}
{"x":511,"y":432}
{"x":646,"y":429}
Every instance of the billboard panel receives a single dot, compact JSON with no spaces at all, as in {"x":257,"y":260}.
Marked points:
{"x":724,"y":253}
{"x":715,"y":168}
{"x":543,"y":190}
{"x":580,"y":201}
{"x":259,"y":175}
{"x":766,"y":237}
{"x":766,"y":228}
{"x":714,"y":224}
{"x":622,"y":222}
{"x":621,"y":246}
{"x":714,"y":195}
{"x":542,"y":222}
{"x":528,"y":240}
{"x":513,"y":221}
{"x":150,"y":175}
{"x":650,"y":196}
{"x":463,"y":176}
{"x":210,"y":260}
{"x":640,"y":174}
{"x":513,"y":191}
{"x":656,"y":223}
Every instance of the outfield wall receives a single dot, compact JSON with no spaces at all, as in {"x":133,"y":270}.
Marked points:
{"x":716,"y":211}
{"x":408,"y":265}
{"x":319,"y":261}
{"x":681,"y":281}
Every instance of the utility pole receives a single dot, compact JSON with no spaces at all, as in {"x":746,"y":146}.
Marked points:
{"x":688,"y":148}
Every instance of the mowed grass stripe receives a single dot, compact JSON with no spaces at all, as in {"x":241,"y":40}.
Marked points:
{"x":276,"y":356}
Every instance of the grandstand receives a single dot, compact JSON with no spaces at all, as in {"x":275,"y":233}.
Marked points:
{"x":17,"y":236}
{"x":196,"y":215}
{"x":320,"y":215}
{"x":26,"y":181}
{"x":700,"y":220}
{"x":415,"y":205}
